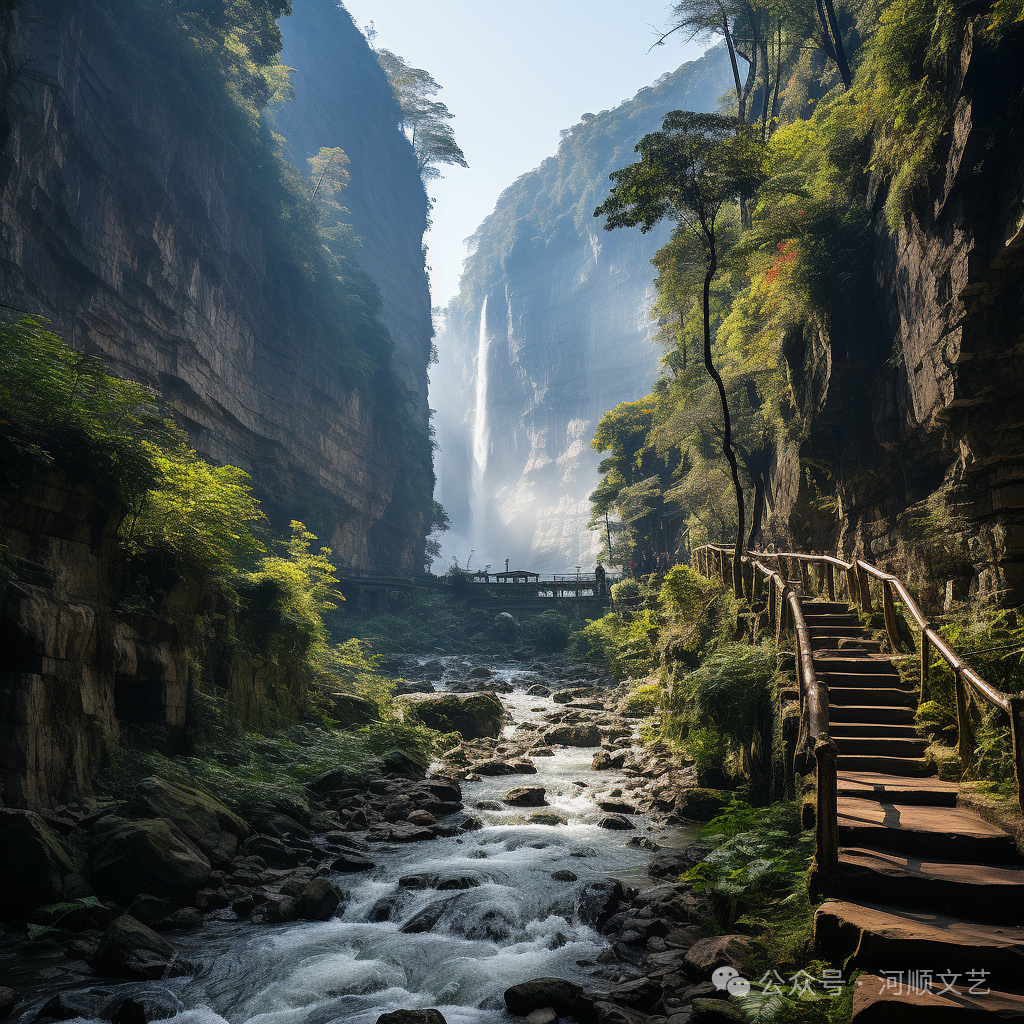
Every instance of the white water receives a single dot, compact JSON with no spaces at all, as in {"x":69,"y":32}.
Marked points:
{"x":517,"y":923}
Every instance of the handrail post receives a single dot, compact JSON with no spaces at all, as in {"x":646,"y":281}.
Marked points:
{"x":864,"y":585}
{"x":1017,"y":735}
{"x":826,"y":818}
{"x":773,"y":609}
{"x":925,"y":662}
{"x":805,"y":579}
{"x":830,"y":581}
{"x":889,"y":610}
{"x":853,"y":584}
{"x":965,"y":743}
{"x":726,"y":570}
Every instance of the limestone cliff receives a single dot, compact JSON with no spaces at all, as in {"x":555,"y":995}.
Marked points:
{"x":932,"y":482}
{"x":133,"y":223}
{"x":566,"y":336}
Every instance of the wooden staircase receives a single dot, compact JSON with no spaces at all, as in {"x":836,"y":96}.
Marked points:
{"x":922,"y":885}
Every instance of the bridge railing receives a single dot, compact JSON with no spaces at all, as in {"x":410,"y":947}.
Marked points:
{"x":856,"y":578}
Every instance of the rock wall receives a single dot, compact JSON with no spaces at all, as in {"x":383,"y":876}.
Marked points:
{"x":568,"y":337}
{"x":129,"y":223}
{"x":932,"y":482}
{"x":73,"y":673}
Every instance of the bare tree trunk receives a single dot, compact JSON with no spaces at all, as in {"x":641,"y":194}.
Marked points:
{"x":832,"y":40}
{"x":737,"y":564}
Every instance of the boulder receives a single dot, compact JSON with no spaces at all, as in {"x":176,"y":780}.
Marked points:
{"x":545,"y":1016}
{"x":346,"y":709}
{"x":598,"y":901}
{"x":396,"y":764}
{"x":8,"y":1001}
{"x":271,"y":851}
{"x":412,"y":1017}
{"x":34,"y":865}
{"x":585,"y":735}
{"x":561,"y":996}
{"x":705,"y":955}
{"x":475,"y":715}
{"x":319,"y":901}
{"x":129,"y":949}
{"x":526,"y":796}
{"x":617,"y":822}
{"x":142,"y":1007}
{"x":214,"y":828}
{"x":152,"y":856}
{"x":715,"y":1011}
{"x":280,"y":826}
{"x":700,"y":804}
{"x":352,"y":862}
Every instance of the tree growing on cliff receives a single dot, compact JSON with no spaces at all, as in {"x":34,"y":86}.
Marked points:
{"x":424,"y":119}
{"x":687,"y":173}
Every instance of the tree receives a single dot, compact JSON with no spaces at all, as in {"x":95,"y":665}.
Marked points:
{"x":687,"y":173}
{"x":424,"y":120}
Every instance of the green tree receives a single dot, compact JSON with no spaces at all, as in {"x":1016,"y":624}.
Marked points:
{"x":424,"y":119}
{"x":687,"y":173}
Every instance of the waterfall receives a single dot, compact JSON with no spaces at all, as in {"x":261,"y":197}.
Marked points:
{"x":481,"y":435}
{"x":480,"y":430}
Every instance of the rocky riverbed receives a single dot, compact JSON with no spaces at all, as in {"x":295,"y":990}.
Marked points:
{"x":532,"y":872}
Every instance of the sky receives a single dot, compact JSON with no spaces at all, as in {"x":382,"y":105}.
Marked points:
{"x":514,"y":73}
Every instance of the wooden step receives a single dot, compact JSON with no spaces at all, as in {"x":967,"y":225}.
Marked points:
{"x":842,"y":629}
{"x":873,"y":937}
{"x":864,"y":665}
{"x":885,"y":1001}
{"x":881,"y":746}
{"x":897,"y":714}
{"x":945,"y":833}
{"x":981,"y":892}
{"x":908,"y":767}
{"x":815,"y":620}
{"x":842,"y":646}
{"x":824,"y":608}
{"x":871,"y":696}
{"x":883,"y":730}
{"x":890,"y":679}
{"x":898,"y":789}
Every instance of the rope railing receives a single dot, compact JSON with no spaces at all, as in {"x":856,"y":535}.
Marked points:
{"x":856,"y":577}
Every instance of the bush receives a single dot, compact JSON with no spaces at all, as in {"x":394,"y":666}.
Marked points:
{"x":642,"y":700}
{"x":548,"y":631}
{"x":626,"y":591}
{"x":504,"y":627}
{"x":627,"y":646}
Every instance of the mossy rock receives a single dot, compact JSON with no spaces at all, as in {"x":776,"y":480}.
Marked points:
{"x":347,"y":709}
{"x":701,"y":804}
{"x":213,"y":827}
{"x":475,"y":715}
{"x":127,"y":858}
{"x":34,"y":865}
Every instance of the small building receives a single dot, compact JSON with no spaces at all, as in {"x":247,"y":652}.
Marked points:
{"x":515,"y":576}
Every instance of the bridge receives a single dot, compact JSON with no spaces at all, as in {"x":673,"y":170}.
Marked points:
{"x":514,"y":592}
{"x":909,"y":868}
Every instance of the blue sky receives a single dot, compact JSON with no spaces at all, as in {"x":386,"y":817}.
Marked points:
{"x":514,"y":73}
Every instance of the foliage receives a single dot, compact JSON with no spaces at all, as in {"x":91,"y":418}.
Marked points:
{"x":642,"y":700}
{"x":626,"y":644}
{"x":626,"y":591}
{"x":685,"y":593}
{"x":547,"y":631}
{"x":424,"y":119}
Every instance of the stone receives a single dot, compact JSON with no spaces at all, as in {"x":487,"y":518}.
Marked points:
{"x":271,"y":851}
{"x":34,"y":865}
{"x":346,"y":710}
{"x":213,"y":827}
{"x":700,"y":804}
{"x":718,"y":951}
{"x":641,"y":993}
{"x":587,"y":735}
{"x":598,"y":901}
{"x":319,"y":901}
{"x":280,"y":826}
{"x":421,"y":817}
{"x":186,"y":919}
{"x":143,"y":1007}
{"x":397,"y":764}
{"x":412,"y":1017}
{"x":526,"y":796}
{"x":348,"y":863}
{"x":129,"y":949}
{"x":715,"y":1011}
{"x":564,"y":997}
{"x":153,"y":856}
{"x":8,"y":1001}
{"x":474,"y":715}
{"x":547,"y":1015}
{"x":617,"y":822}
{"x":548,"y":818}
{"x":564,"y":876}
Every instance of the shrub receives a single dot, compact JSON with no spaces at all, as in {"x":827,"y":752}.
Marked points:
{"x":642,"y":700}
{"x":627,"y":646}
{"x":548,"y":631}
{"x":626,"y":591}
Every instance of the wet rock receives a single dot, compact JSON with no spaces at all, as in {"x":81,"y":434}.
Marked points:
{"x":547,"y":1015}
{"x":480,"y":672}
{"x":700,"y":804}
{"x":564,"y":876}
{"x":400,"y":834}
{"x":150,"y":909}
{"x":129,"y":949}
{"x":34,"y":864}
{"x":8,"y":1001}
{"x":617,"y":822}
{"x":412,"y":1017}
{"x":616,"y":807}
{"x":271,"y":851}
{"x":141,"y":1007}
{"x":186,"y":919}
{"x":526,"y":796}
{"x":213,"y":827}
{"x":487,"y":805}
{"x":430,"y":880}
{"x":425,"y":919}
{"x":152,"y":856}
{"x":280,"y":826}
{"x":715,"y":1011}
{"x":417,"y":685}
{"x":537,"y":690}
{"x":70,"y":1005}
{"x":495,"y":767}
{"x":583,"y":735}
{"x":640,"y":994}
{"x":541,"y":993}
{"x":610,"y":1013}
{"x":346,"y":709}
{"x":276,"y":910}
{"x":548,"y":818}
{"x":474,"y":715}
{"x":421,"y":817}
{"x":318,"y":901}
{"x":348,"y":863}
{"x":396,"y":764}
{"x":598,"y":901}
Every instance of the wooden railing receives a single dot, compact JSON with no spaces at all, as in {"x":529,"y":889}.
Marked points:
{"x":856,"y":578}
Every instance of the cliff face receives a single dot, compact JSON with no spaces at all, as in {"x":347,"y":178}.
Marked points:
{"x":565,"y":337}
{"x":932,"y":483}
{"x":126,"y":221}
